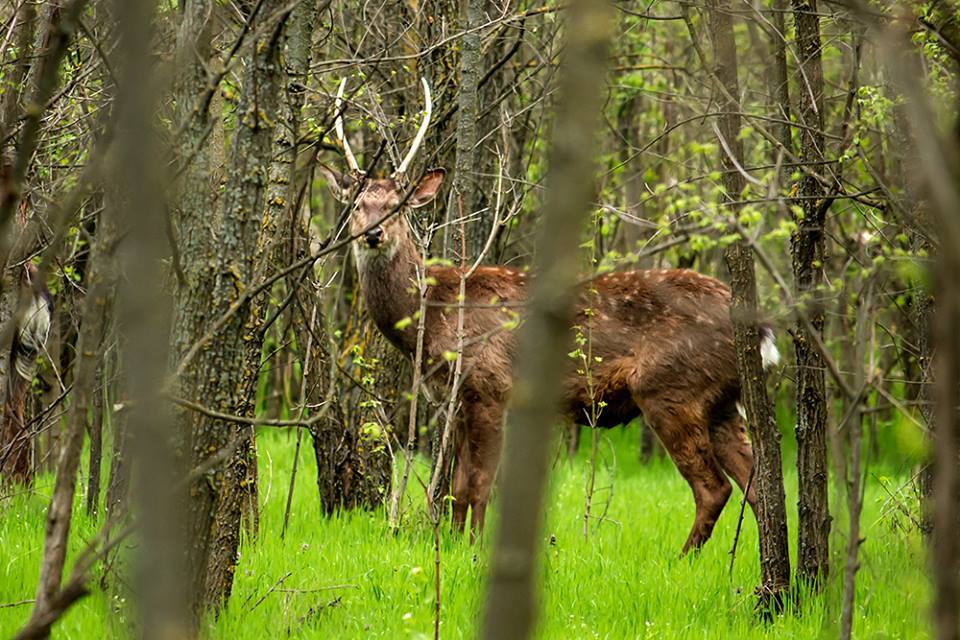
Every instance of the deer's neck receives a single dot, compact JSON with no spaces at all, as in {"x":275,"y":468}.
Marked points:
{"x":388,"y":280}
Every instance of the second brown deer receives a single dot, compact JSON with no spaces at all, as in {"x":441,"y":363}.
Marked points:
{"x":661,"y":342}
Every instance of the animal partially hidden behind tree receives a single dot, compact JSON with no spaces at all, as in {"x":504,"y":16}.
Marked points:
{"x":29,"y":341}
{"x":662,"y":341}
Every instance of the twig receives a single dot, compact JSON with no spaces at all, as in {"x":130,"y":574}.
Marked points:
{"x":307,"y":361}
{"x":255,"y":422}
{"x":268,"y":592}
{"x":743,"y":504}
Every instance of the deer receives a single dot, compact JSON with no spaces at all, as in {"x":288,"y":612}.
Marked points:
{"x":662,"y":345}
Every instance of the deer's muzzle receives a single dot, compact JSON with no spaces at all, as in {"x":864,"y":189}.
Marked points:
{"x":373,"y":237}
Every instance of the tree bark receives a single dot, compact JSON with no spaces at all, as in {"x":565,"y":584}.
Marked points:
{"x":779,"y":82}
{"x":511,"y":607}
{"x":946,"y":479}
{"x":813,"y":531}
{"x":116,"y":496}
{"x":95,"y":454}
{"x":25,"y":21}
{"x":222,"y":376}
{"x":463,"y":196}
{"x":768,"y":475}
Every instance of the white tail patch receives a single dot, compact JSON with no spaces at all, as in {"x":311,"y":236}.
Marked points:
{"x":768,"y":348}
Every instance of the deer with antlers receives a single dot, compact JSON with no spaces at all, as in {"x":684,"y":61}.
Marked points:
{"x":661,"y":340}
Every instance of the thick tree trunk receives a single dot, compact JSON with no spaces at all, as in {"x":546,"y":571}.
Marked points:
{"x":223,"y":377}
{"x":353,"y":461}
{"x":768,"y":474}
{"x":511,"y":604}
{"x":813,"y":532}
{"x":938,"y":167}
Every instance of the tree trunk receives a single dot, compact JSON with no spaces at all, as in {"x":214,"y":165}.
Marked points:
{"x":24,"y":28}
{"x":511,"y":605}
{"x":95,"y":454}
{"x":119,"y":483}
{"x":813,"y":531}
{"x":353,"y":462}
{"x":221,"y":374}
{"x":9,"y":110}
{"x":779,"y":82}
{"x":159,"y":576}
{"x":939,"y":168}
{"x":768,"y":474}
{"x":463,"y":196}
{"x":946,"y":478}
{"x":100,"y":286}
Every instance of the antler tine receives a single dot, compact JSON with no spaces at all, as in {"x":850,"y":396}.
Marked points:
{"x":351,"y":160}
{"x":421,"y":132}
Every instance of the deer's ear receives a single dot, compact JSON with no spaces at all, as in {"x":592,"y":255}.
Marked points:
{"x":339,"y":183}
{"x":428,"y":187}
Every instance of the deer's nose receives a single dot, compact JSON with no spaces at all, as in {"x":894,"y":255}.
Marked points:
{"x":373,"y":237}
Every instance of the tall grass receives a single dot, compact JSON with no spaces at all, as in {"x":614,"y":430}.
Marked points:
{"x":350,"y":577}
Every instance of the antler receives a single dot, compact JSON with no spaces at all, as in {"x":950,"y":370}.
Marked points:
{"x":428,"y":108}
{"x":351,"y":160}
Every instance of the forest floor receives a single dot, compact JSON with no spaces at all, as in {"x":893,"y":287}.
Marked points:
{"x":349,"y":577}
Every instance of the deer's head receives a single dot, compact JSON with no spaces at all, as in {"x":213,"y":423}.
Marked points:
{"x":378,"y":204}
{"x":377,"y":217}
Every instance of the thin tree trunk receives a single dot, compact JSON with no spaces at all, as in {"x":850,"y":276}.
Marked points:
{"x":946,"y":478}
{"x":780,"y":84}
{"x":95,"y":454}
{"x":463,"y":195}
{"x":939,"y":168}
{"x":9,"y":109}
{"x":26,"y":19}
{"x":813,"y":531}
{"x":768,"y":477}
{"x":511,"y":604}
{"x":160,"y":575}
{"x":89,"y":354}
{"x":865,"y":366}
{"x":119,"y":483}
{"x":50,"y":44}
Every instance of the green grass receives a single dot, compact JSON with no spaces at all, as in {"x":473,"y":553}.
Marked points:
{"x":349,"y":577}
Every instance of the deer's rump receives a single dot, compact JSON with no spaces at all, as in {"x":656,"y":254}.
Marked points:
{"x":660,"y":337}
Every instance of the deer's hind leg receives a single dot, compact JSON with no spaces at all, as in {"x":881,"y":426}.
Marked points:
{"x":685,"y":435}
{"x":734,"y":451}
{"x":460,"y":485}
{"x":485,"y":436}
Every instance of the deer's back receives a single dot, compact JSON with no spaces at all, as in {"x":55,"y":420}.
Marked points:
{"x":666,"y":333}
